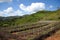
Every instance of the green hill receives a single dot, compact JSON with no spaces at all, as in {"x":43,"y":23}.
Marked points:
{"x":38,"y":16}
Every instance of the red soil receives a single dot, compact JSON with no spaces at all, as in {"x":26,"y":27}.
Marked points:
{"x":56,"y":36}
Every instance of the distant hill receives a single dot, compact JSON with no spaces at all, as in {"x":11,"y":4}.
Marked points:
{"x":38,"y":16}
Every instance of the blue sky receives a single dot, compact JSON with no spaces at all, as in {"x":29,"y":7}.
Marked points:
{"x":23,"y":7}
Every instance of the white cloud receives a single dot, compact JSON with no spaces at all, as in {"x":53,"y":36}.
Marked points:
{"x":5,"y":1}
{"x":19,"y":13}
{"x":10,"y":12}
{"x":51,"y":6}
{"x":34,"y":7}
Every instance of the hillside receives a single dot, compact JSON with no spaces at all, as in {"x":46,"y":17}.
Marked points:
{"x":26,"y":19}
{"x":37,"y":26}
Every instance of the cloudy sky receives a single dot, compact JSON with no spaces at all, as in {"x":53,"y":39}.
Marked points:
{"x":23,"y":7}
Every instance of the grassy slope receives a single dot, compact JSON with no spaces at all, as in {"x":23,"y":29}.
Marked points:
{"x":41,"y":15}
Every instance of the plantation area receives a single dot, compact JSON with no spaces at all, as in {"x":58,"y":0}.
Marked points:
{"x":35,"y":31}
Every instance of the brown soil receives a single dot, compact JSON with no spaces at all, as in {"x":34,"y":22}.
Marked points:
{"x":56,"y":36}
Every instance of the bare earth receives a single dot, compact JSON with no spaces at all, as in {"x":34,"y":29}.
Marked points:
{"x":56,"y":36}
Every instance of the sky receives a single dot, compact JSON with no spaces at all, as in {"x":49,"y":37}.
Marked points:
{"x":24,"y":7}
